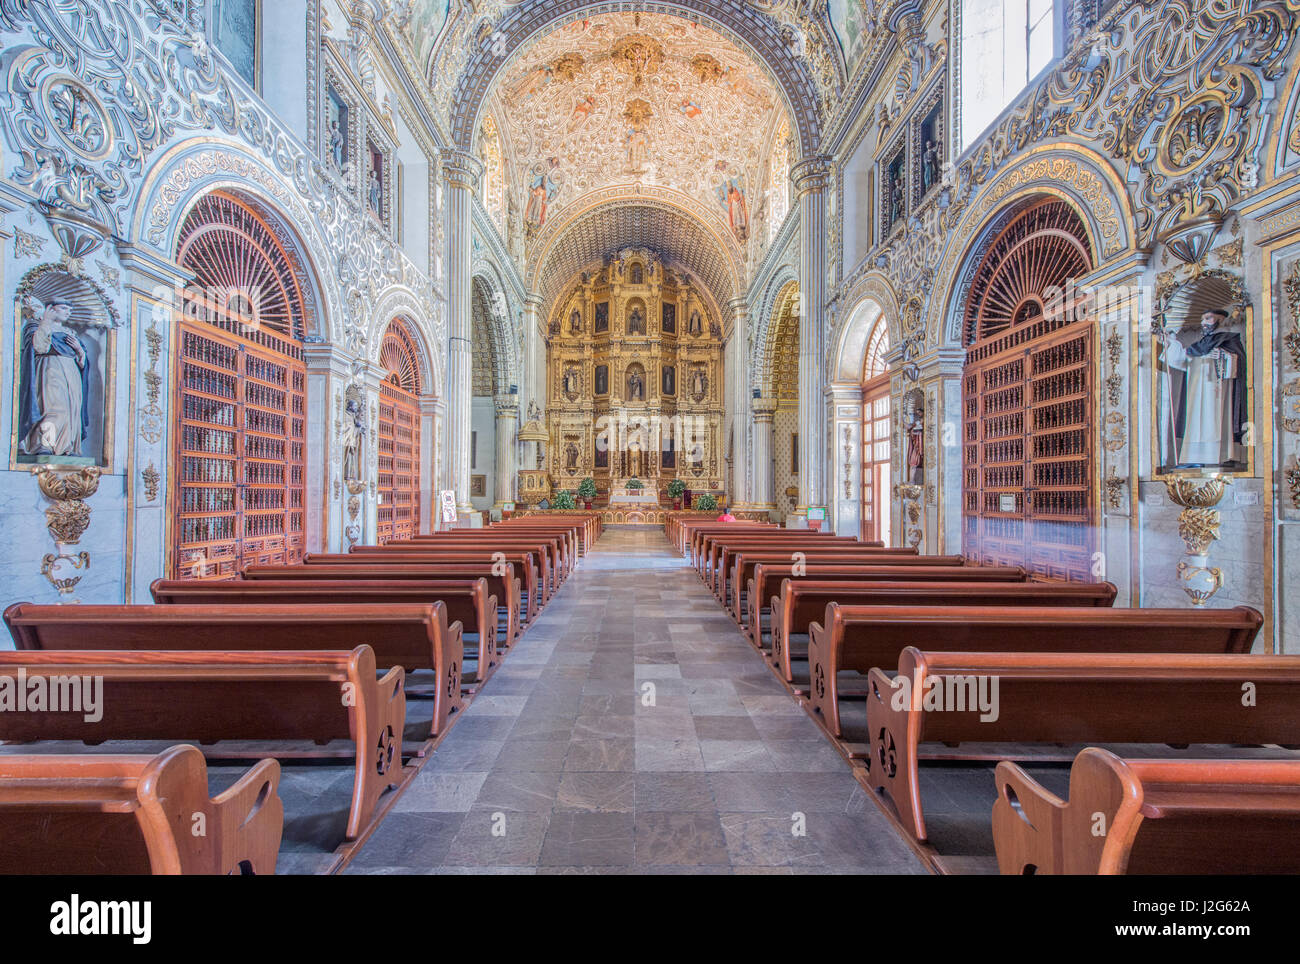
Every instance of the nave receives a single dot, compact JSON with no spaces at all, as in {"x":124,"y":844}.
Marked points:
{"x":562,"y":749}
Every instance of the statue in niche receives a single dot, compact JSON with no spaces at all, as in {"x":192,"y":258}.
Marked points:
{"x":896,"y":200}
{"x":572,"y":382}
{"x":929,"y":166}
{"x":353,"y":438}
{"x":636,"y":322}
{"x":1203,"y":387}
{"x":375,"y":194}
{"x":669,"y":380}
{"x":695,"y":326}
{"x":575,"y":322}
{"x":54,"y":407}
{"x":571,"y":454}
{"x":635,"y":386}
{"x":916,"y":447}
{"x":602,"y":379}
{"x":699,"y":385}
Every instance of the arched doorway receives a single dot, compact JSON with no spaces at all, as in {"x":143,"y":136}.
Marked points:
{"x":398,"y":512}
{"x":782,"y":389}
{"x":876,"y":434}
{"x":1029,"y":477}
{"x":239,"y":396}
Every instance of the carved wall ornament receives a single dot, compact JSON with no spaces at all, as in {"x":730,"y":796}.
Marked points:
{"x":1115,"y":489}
{"x":1293,"y":482}
{"x":27,"y":245}
{"x":151,"y":478}
{"x":1198,"y":527}
{"x":69,"y":516}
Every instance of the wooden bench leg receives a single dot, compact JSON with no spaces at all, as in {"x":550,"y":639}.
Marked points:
{"x":1027,"y":822}
{"x":448,"y":699}
{"x":822,"y":690}
{"x":250,"y":816}
{"x":378,"y":749}
{"x":892,"y":766}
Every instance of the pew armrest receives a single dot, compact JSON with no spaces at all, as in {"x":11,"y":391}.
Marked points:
{"x":250,"y":816}
{"x":1027,"y":822}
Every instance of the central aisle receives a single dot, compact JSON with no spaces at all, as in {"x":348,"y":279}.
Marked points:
{"x":634,"y":730}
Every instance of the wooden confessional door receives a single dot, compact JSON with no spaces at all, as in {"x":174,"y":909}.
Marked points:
{"x":240,"y":451}
{"x":876,"y":461}
{"x":1029,"y":462}
{"x":399,"y":463}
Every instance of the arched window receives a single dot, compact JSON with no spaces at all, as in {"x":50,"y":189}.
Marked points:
{"x":876,"y":432}
{"x":237,"y":489}
{"x":399,"y":436}
{"x":1029,"y":477}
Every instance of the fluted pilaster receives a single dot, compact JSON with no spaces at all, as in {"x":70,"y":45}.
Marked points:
{"x":507,"y":424}
{"x":811,"y":177}
{"x":764,"y":411}
{"x":461,"y":171}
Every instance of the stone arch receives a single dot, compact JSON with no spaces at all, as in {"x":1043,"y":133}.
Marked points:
{"x":488,"y":288}
{"x":1078,"y":176}
{"x":195,"y":168}
{"x":401,"y":302}
{"x":756,"y":33}
{"x":875,"y":306}
{"x":784,"y":314}
{"x":765,"y":313}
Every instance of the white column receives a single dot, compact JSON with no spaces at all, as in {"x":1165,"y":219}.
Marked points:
{"x":461,"y":171}
{"x":810,"y":177}
{"x":739,"y":403}
{"x":764,"y":410}
{"x":507,"y":423}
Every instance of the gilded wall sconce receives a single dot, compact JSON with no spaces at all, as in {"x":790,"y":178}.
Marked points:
{"x":67,"y":520}
{"x":1198,"y":527}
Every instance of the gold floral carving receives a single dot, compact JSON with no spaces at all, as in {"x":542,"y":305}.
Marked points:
{"x":151,"y":478}
{"x":1198,"y":527}
{"x":69,"y":517}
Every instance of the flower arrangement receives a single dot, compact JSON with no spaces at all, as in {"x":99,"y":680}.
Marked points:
{"x":706,"y":503}
{"x":563,"y":500}
{"x":635,"y":485}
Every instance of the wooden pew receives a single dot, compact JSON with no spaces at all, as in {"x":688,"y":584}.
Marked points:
{"x":680,"y":531}
{"x":863,"y":638}
{"x":501,"y":581}
{"x":412,"y":637}
{"x":735,"y":579}
{"x":800,"y":603}
{"x":725,"y":554}
{"x":532,"y":582}
{"x":168,"y":694}
{"x":119,"y":814}
{"x":767,"y":576}
{"x":1161,"y":817}
{"x":1076,"y":697}
{"x":699,"y":533}
{"x":467,"y":601}
{"x":555,"y":545}
{"x":710,"y":545}
{"x":541,"y":556}
{"x":589,"y":525}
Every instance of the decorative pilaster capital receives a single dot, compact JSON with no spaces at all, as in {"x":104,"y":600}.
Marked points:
{"x":461,"y":168}
{"x":764,"y":409}
{"x":738,"y":307}
{"x":507,"y":406}
{"x":811,"y":174}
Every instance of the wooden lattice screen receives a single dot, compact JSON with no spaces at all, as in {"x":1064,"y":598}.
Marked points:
{"x":240,"y":395}
{"x":1029,"y":485}
{"x":399,"y":437}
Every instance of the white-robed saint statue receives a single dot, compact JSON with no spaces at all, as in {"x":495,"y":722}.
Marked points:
{"x":54,"y":409}
{"x":1203,"y":384}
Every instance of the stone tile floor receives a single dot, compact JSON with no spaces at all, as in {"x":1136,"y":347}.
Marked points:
{"x":633,"y":730}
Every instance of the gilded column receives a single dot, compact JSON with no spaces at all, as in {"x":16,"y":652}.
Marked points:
{"x":811,"y":177}
{"x":462,"y":172}
{"x":764,"y":410}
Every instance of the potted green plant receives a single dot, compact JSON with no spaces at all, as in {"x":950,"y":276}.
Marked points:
{"x":563,"y":500}
{"x":675,"y":489}
{"x":706,"y":503}
{"x":635,"y":485}
{"x":587,"y":490}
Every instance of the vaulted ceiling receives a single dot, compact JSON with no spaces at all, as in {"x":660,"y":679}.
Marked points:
{"x":634,"y":98}
{"x":683,"y":242}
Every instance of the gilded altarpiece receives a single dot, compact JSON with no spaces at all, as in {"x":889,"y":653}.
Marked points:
{"x":639,"y":395}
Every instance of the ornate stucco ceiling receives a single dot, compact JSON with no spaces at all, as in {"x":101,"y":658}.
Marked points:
{"x":622,"y":99}
{"x":683,"y":242}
